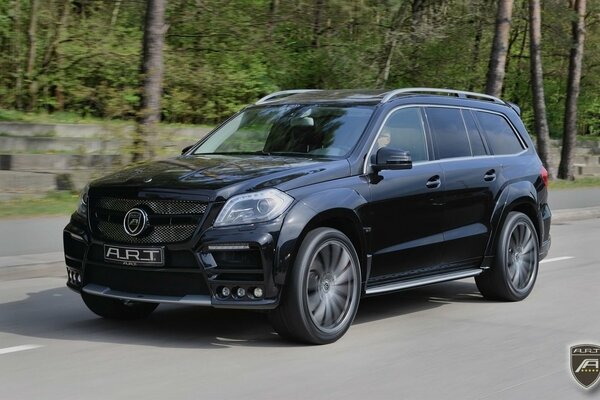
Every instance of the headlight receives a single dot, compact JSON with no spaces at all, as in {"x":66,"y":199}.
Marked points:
{"x":254,"y":207}
{"x":82,"y":207}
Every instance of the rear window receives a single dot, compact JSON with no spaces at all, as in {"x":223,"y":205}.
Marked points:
{"x":449,"y":133}
{"x":501,"y":138}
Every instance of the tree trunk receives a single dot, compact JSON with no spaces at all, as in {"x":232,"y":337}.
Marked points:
{"x":317,"y":28}
{"x":565,"y":169}
{"x":273,"y":10}
{"x":476,"y":49}
{"x":17,"y":55}
{"x":537,"y":84}
{"x":115,"y":14}
{"x":31,"y":37}
{"x":496,"y":68}
{"x":390,"y":43}
{"x":152,"y":72}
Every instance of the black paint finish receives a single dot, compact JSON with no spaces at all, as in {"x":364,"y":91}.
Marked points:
{"x":440,"y":215}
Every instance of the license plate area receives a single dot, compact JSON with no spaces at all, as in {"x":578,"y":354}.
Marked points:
{"x":127,"y":255}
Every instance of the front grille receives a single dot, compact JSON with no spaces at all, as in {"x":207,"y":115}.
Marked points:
{"x":156,"y":234}
{"x":170,"y":221}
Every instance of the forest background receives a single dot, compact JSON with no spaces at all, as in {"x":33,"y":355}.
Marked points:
{"x":91,"y":57}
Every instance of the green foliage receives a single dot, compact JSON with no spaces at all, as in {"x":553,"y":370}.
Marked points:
{"x":223,"y":54}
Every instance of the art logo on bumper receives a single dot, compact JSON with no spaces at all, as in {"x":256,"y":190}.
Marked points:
{"x":585,"y":364}
{"x":134,"y":255}
{"x":135,"y":221}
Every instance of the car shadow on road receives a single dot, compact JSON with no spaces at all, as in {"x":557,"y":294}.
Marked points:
{"x":60,"y":314}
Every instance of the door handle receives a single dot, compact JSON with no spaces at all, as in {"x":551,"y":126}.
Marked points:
{"x":434,"y":182}
{"x":489,"y":176}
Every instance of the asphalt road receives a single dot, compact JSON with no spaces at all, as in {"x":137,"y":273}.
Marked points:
{"x":443,"y":341}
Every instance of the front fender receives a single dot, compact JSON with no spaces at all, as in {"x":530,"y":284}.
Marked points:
{"x":318,"y":209}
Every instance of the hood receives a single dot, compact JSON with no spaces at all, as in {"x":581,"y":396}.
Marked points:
{"x":220,"y":176}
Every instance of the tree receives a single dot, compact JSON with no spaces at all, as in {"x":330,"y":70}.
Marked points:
{"x":537,"y":83}
{"x":565,"y":169}
{"x":152,"y":73}
{"x":496,"y":68}
{"x":32,"y":53}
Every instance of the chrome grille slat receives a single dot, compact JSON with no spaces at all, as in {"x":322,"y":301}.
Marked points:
{"x":110,"y":225}
{"x":158,"y":233}
{"x":165,"y":207}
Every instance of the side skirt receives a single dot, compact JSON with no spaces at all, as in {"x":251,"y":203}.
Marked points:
{"x":411,"y":283}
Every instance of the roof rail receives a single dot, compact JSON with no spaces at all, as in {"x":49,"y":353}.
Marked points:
{"x":283,"y":93}
{"x":459,"y":93}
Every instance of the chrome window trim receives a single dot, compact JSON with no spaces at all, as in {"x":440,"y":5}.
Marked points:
{"x":417,"y":106}
{"x":366,"y":163}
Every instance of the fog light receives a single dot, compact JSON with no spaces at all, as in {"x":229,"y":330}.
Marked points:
{"x":241,"y":292}
{"x":258,"y":292}
{"x":225,"y":292}
{"x":78,"y":278}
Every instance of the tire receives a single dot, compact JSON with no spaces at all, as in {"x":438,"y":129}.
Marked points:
{"x":515,"y":268}
{"x":321,"y":299}
{"x":117,"y":309}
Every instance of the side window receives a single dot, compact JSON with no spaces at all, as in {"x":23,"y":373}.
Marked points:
{"x":404,"y":130}
{"x":498,"y":133}
{"x":449,"y":133}
{"x":477,"y":146}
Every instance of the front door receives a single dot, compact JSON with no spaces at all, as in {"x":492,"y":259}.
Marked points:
{"x":407,"y":204}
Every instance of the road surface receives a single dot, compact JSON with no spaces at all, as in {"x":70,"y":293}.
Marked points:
{"x":439,"y":342}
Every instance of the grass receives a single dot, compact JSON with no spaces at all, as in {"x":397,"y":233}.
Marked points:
{"x":54,"y":203}
{"x":588,"y":181}
{"x":74,"y":118}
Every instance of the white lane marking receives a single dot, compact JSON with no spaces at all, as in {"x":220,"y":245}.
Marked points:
{"x":547,"y":260}
{"x":19,"y":348}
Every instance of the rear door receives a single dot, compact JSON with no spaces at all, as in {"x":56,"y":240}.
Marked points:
{"x":471,"y":181}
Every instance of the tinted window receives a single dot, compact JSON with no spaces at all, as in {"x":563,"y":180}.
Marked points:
{"x":449,"y":133}
{"x":498,"y":133}
{"x":404,"y":130}
{"x":477,"y":147}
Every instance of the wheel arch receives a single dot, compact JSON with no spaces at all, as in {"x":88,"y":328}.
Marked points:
{"x":323,"y":209}
{"x":521,"y":197}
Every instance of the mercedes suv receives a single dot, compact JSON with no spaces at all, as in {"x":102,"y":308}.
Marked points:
{"x":309,"y":200}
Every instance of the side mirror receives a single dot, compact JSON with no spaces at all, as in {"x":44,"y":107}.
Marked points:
{"x":186,"y":149}
{"x":390,"y":158}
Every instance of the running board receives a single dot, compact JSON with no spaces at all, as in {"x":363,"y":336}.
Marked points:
{"x":390,"y":287}
{"x":98,"y":290}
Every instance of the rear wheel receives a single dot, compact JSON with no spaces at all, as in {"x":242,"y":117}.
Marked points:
{"x":321,"y":300}
{"x":515,"y":269}
{"x":117,"y":309}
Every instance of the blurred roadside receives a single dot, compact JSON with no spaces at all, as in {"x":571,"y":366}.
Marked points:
{"x":39,"y":157}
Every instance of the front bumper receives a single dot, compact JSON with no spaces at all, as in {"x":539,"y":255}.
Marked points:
{"x":195,"y":272}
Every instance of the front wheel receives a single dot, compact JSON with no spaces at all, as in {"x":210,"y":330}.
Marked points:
{"x":515,"y":269}
{"x":320,"y":302}
{"x":117,"y":309}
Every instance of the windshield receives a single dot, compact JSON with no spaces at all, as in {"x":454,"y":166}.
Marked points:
{"x":291,"y":129}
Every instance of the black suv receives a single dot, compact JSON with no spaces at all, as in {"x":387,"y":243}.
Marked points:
{"x":308,"y":200}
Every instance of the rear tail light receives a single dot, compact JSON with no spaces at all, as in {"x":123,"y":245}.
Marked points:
{"x":544,"y":174}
